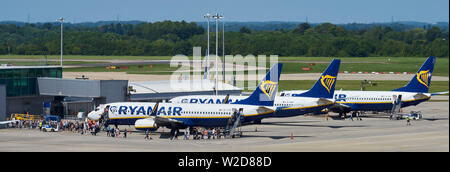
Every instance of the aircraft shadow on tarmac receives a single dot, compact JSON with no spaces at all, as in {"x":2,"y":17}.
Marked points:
{"x":387,"y":117}
{"x":434,"y":119}
{"x":273,"y":137}
{"x":305,"y":125}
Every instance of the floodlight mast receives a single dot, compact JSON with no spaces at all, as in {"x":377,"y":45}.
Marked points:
{"x":223,"y":50}
{"x":217,"y":17}
{"x":62,"y":21}
{"x":207,"y":16}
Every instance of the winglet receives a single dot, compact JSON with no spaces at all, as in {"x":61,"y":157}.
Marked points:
{"x":155,"y":109}
{"x":227,"y":99}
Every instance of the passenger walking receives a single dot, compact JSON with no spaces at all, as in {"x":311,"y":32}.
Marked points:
{"x":202,"y":134}
{"x":219,"y":133}
{"x":188,"y":133}
{"x":195,"y":134}
{"x":113,"y":134}
{"x":176,"y":134}
{"x":108,"y":131}
{"x":146,"y":134}
{"x":125,"y":133}
{"x":117,"y":132}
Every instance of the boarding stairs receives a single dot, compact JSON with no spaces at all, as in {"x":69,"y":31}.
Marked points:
{"x":396,"y":107}
{"x":233,"y":123}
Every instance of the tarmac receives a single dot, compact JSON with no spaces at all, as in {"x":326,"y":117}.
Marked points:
{"x":374,"y":133}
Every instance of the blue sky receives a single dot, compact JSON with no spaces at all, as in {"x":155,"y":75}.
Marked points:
{"x":334,"y":11}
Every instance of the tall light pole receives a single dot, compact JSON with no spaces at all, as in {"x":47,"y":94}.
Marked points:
{"x":217,"y":17}
{"x":62,"y":21}
{"x":223,"y":50}
{"x":207,"y":16}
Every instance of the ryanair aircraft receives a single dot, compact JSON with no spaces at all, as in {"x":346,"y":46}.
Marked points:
{"x":145,"y":115}
{"x":319,"y":97}
{"x":415,"y":92}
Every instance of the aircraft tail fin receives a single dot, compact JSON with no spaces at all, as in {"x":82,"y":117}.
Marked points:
{"x":264,"y":94}
{"x":422,"y":80}
{"x":324,"y":86}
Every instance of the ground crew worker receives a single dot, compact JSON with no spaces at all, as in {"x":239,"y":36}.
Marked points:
{"x":408,"y":120}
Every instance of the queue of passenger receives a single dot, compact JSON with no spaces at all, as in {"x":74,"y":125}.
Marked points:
{"x":93,"y":127}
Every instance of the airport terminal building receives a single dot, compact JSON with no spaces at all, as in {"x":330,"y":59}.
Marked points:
{"x":43,"y":90}
{"x":19,"y":88}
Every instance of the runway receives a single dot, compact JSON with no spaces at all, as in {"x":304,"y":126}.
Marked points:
{"x":298,"y":76}
{"x":374,"y":133}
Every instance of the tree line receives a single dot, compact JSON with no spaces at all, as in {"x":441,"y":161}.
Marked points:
{"x":168,"y":38}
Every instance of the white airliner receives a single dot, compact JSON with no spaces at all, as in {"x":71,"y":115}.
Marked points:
{"x":150,"y":116}
{"x":415,"y":92}
{"x":319,"y":97}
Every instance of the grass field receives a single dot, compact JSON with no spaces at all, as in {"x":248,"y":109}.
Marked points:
{"x":371,"y":64}
{"x":42,"y":63}
{"x":86,"y":57}
{"x":291,"y":64}
{"x":162,"y":69}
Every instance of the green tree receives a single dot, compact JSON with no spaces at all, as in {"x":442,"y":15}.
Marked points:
{"x":245,"y":30}
{"x":433,"y":34}
{"x":301,"y":28}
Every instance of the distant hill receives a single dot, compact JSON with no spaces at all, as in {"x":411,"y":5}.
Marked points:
{"x":268,"y":26}
{"x":88,"y":24}
{"x":277,"y":25}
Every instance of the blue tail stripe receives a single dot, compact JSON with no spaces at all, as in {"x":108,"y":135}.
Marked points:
{"x":324,"y":86}
{"x":421,"y":82}
{"x":269,"y":85}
